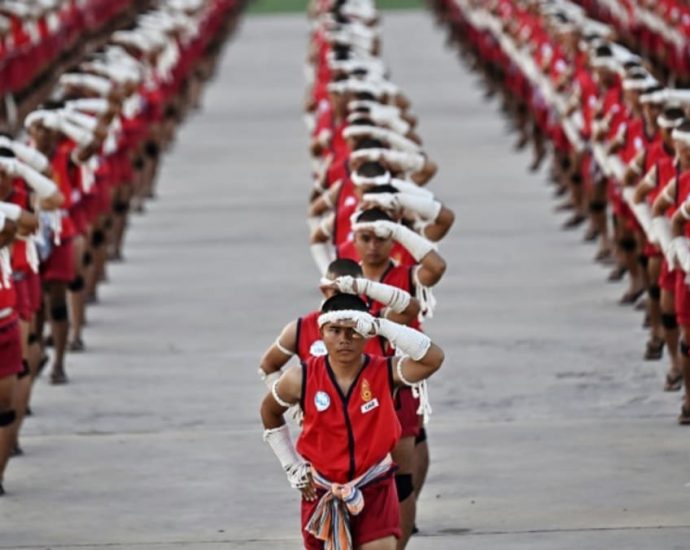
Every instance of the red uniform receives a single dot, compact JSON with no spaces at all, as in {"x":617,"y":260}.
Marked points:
{"x":10,"y":339}
{"x":682,"y":290}
{"x":344,"y":435}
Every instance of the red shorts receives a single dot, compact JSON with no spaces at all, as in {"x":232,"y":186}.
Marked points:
{"x":10,"y":347}
{"x":651,"y":250}
{"x":667,"y":279}
{"x":406,"y":408}
{"x":23,"y":305}
{"x":59,"y":266}
{"x":682,"y":299}
{"x":380,"y":517}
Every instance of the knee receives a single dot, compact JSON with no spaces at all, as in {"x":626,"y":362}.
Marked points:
{"x":77,"y":284}
{"x":669,"y":321}
{"x":7,"y":417}
{"x":421,"y":438}
{"x":403,"y":483}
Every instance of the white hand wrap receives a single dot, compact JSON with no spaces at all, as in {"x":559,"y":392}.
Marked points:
{"x":393,"y":297}
{"x":405,"y":339}
{"x":43,"y":187}
{"x":681,"y":250}
{"x":35,"y":159}
{"x":281,"y":444}
{"x":10,"y":211}
{"x":661,"y":229}
{"x":405,"y":186}
{"x":426,"y":207}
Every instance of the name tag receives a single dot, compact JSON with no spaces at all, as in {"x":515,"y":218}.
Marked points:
{"x":371,"y":405}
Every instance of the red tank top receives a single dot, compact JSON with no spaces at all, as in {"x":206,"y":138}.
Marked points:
{"x":66,"y":177}
{"x":657,"y":154}
{"x":343,"y":435}
{"x":20,"y":197}
{"x":345,"y":205}
{"x":309,"y":343}
{"x":682,"y":192}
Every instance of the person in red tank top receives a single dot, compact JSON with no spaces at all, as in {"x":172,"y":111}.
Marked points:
{"x":680,"y":254}
{"x":302,"y":337}
{"x":349,"y":427}
{"x":676,"y":298}
{"x":642,"y":189}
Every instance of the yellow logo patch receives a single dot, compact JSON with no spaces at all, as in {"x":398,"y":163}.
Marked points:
{"x":366,"y":391}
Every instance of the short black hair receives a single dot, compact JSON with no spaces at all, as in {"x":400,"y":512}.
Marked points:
{"x":603,"y":51}
{"x":362,"y":120}
{"x":365,"y":96}
{"x":674,"y":113}
{"x":684,"y":126}
{"x":344,"y":266}
{"x":368,"y":143}
{"x":52,"y":105}
{"x":6,"y":152}
{"x":383,"y":189}
{"x":371,"y":169}
{"x":373,"y":215}
{"x":340,"y":302}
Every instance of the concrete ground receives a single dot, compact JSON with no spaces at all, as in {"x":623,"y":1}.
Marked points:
{"x":548,"y":432}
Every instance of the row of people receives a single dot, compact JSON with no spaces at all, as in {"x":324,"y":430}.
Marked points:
{"x":618,"y":140}
{"x":34,"y":34}
{"x":89,"y":154}
{"x":659,"y":29}
{"x":362,"y":454}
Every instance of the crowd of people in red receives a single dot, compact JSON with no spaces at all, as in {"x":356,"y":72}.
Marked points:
{"x":594,"y":86}
{"x":360,"y":388}
{"x":85,"y":158}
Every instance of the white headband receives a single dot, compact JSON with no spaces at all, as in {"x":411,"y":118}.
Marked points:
{"x":638,"y":84}
{"x":359,"y":181}
{"x":669,"y":123}
{"x":344,"y":315}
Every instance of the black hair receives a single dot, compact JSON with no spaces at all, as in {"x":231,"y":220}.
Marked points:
{"x":52,"y":105}
{"x":674,"y":113}
{"x":6,"y":152}
{"x":684,"y":126}
{"x":361,"y":121}
{"x":368,"y":143}
{"x":603,"y":51}
{"x":382,"y":189}
{"x":365,"y":96}
{"x":371,"y":169}
{"x":373,"y":215}
{"x":344,"y":266}
{"x":340,"y":302}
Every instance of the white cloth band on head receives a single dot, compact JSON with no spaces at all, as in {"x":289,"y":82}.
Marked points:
{"x":606,"y":63}
{"x":360,"y":180}
{"x":344,"y":315}
{"x":681,"y":136}
{"x":668,"y":123}
{"x":637,"y":84}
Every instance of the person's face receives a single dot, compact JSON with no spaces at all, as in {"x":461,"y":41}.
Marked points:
{"x":342,"y":342}
{"x":632,"y":100}
{"x":372,"y":250}
{"x":666,"y":136}
{"x":42,"y":137}
{"x":651,"y":112}
{"x":5,"y":186}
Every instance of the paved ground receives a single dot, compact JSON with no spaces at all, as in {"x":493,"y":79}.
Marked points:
{"x":548,"y":433}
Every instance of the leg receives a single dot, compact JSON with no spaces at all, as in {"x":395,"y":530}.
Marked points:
{"x":59,"y":324}
{"x":76,"y":295}
{"x":7,"y":419}
{"x":421,"y":462}
{"x":656,"y":332}
{"x":403,"y":455}
{"x":387,"y":543}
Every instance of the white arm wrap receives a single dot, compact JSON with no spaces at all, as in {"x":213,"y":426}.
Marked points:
{"x":10,"y":211}
{"x":43,"y":187}
{"x":321,"y":252}
{"x":409,"y":162}
{"x":426,"y":207}
{"x":35,"y":159}
{"x":681,"y":250}
{"x":405,"y":186}
{"x":408,"y":340}
{"x":2,"y":221}
{"x":393,"y":297}
{"x":415,"y":244}
{"x":281,"y":444}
